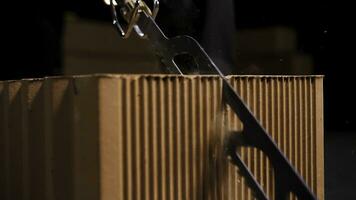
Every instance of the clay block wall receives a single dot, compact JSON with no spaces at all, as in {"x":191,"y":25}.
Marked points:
{"x":125,"y":137}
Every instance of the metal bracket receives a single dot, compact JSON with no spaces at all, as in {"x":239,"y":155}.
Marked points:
{"x":130,"y":11}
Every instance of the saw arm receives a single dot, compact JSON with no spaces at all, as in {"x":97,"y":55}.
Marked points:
{"x":136,"y":15}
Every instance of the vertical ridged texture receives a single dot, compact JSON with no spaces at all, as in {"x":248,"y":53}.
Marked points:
{"x":18,"y":141}
{"x":291,"y":110}
{"x":4,"y":143}
{"x":39,"y":134}
{"x":150,"y":137}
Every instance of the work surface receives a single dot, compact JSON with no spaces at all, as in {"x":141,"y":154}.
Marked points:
{"x":150,"y":136}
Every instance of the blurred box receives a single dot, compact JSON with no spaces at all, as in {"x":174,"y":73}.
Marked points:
{"x":271,"y":50}
{"x":96,"y":47}
{"x":288,"y":64}
{"x":270,"y":40}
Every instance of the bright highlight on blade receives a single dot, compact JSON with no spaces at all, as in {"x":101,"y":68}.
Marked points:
{"x":107,"y":2}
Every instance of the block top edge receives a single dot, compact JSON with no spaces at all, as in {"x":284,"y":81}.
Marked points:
{"x":134,"y":76}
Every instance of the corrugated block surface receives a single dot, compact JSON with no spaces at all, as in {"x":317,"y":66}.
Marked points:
{"x":129,"y":137}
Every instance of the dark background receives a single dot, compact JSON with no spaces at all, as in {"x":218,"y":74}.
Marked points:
{"x":34,"y":44}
